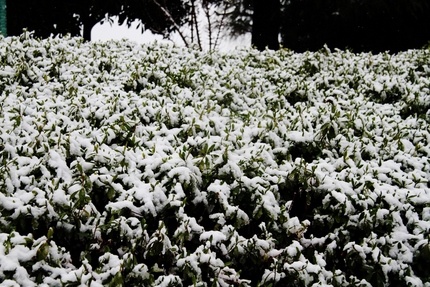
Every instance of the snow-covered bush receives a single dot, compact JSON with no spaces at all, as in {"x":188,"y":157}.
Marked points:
{"x":163,"y":166}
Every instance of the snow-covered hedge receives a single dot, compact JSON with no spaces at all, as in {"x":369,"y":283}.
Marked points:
{"x":156,"y":165}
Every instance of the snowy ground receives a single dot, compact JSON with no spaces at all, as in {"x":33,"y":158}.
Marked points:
{"x":153,"y":165}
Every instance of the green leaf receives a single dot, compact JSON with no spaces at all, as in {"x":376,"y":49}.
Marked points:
{"x":117,"y":280}
{"x":50,"y":233}
{"x":42,"y":251}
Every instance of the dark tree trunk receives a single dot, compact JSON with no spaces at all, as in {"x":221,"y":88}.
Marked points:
{"x":88,"y":18}
{"x":86,"y":32}
{"x":265,"y":24}
{"x":87,"y":25}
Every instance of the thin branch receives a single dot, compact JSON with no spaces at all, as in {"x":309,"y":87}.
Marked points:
{"x":208,"y":17}
{"x":192,"y":29}
{"x":194,"y":15}
{"x":221,"y":24}
{"x":169,"y":16}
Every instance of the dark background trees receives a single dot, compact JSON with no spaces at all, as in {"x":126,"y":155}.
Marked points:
{"x":266,"y":21}
{"x":360,"y":25}
{"x":46,"y":17}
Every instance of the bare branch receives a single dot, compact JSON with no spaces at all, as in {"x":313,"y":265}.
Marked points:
{"x":169,"y":16}
{"x":208,"y":17}
{"x":220,"y":26}
{"x":194,"y":15}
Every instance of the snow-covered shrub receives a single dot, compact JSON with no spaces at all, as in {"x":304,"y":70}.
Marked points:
{"x":161,"y":166}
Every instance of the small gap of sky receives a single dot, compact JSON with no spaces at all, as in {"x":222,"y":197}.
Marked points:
{"x":106,"y":31}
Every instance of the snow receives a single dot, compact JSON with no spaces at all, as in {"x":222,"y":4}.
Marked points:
{"x":214,"y":236}
{"x":411,"y":281}
{"x":58,"y":163}
{"x":196,"y":161}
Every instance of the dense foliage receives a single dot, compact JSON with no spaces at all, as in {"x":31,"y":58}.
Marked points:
{"x":155,"y":165}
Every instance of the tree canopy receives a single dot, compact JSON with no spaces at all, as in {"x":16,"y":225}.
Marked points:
{"x":46,"y":17}
{"x":361,"y":25}
{"x":266,"y":23}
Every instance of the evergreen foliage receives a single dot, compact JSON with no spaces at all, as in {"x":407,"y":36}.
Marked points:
{"x":153,"y":165}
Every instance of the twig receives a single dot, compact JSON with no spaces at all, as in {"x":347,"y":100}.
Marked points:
{"x":169,"y":16}
{"x":196,"y":24}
